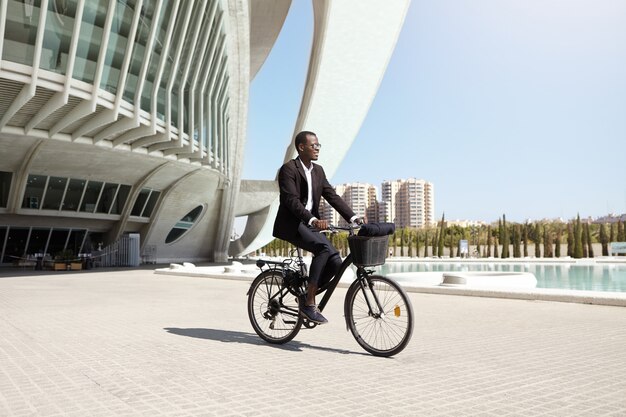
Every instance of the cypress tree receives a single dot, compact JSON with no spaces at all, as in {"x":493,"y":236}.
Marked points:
{"x":488,"y":241}
{"x":589,"y":247}
{"x":621,"y":233}
{"x":441,"y":236}
{"x":578,"y":239}
{"x":583,"y":242}
{"x":417,"y":244}
{"x":450,"y":243}
{"x":538,"y":240}
{"x":426,"y":244}
{"x":604,"y":240}
{"x":557,"y":249}
{"x":570,"y":240}
{"x":525,"y":239}
{"x":516,"y":241}
{"x":500,"y":234}
{"x":612,"y":233}
{"x":402,"y":253}
{"x":435,"y":244}
{"x":547,"y":243}
{"x":505,"y":238}
{"x":495,"y":247}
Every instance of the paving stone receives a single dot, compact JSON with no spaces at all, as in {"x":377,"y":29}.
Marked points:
{"x":130,"y":343}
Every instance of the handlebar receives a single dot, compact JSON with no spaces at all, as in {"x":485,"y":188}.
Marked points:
{"x":334,"y":229}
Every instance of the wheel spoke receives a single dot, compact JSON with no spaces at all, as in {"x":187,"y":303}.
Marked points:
{"x":383,"y":331}
{"x":273,"y":313}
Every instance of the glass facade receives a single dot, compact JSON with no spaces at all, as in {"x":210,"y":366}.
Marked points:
{"x":179,"y":26}
{"x":145,"y":202}
{"x":21,"y":243}
{"x":54,"y":193}
{"x":5,"y":187}
{"x":72,"y":194}
{"x":92,"y":194}
{"x":91,"y":30}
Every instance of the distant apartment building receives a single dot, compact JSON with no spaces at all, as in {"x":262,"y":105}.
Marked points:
{"x":361,"y":197}
{"x":408,"y":203}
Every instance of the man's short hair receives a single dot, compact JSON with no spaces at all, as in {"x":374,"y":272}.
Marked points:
{"x":301,"y":137}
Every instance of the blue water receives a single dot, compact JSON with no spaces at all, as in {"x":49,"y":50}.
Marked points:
{"x":596,"y":277}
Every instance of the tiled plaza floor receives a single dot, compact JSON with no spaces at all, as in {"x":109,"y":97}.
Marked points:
{"x":132,"y":343}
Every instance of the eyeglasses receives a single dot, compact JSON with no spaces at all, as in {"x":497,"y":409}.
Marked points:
{"x":316,"y":146}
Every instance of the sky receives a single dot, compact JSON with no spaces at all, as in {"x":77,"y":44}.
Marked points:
{"x":514,"y":107}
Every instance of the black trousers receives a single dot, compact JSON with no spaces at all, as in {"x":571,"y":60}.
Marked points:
{"x":326,"y":260}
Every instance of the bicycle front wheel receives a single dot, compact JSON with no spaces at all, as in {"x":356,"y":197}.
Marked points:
{"x":379,"y":315}
{"x":272,"y":309}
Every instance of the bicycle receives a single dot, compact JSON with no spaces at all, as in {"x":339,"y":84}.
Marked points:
{"x":377,"y":310}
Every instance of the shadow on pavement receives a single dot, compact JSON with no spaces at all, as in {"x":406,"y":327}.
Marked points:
{"x":228,"y":336}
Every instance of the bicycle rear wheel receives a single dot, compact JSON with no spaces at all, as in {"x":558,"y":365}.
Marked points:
{"x":272,"y":309}
{"x":383,"y":331}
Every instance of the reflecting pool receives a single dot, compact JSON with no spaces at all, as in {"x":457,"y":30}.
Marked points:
{"x":590,"y":277}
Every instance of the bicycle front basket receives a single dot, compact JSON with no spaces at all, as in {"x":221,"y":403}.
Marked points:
{"x":368,"y":250}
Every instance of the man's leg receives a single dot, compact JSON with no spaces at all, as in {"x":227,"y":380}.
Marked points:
{"x":332,"y":267}
{"x":323,"y":251}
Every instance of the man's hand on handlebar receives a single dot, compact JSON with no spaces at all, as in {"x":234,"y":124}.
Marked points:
{"x":320,"y":224}
{"x":359,"y":221}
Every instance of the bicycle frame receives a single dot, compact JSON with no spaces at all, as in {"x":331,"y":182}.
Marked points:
{"x":361,"y":275}
{"x":329,"y":289}
{"x":377,"y":311}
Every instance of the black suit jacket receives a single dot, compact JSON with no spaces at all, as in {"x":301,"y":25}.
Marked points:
{"x":294,"y":195}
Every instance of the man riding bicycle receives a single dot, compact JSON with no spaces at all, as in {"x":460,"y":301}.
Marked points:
{"x":302,"y":183}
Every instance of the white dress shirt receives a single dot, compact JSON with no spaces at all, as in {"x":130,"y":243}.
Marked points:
{"x":309,"y":201}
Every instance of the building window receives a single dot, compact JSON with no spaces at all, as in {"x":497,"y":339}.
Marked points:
{"x":89,"y":40}
{"x":140,"y":202}
{"x":3,"y":237}
{"x":16,"y":243}
{"x":109,"y":198}
{"x":5,"y":186}
{"x":58,"y":34}
{"x":20,"y":32}
{"x":54,"y":193}
{"x":58,"y":240}
{"x":152,"y":200}
{"x":145,"y":202}
{"x":38,"y":240}
{"x":120,"y":199}
{"x":184,"y":225}
{"x":92,"y":193}
{"x":106,"y":199}
{"x":75,"y":241}
{"x":73,"y":194}
{"x":34,"y":191}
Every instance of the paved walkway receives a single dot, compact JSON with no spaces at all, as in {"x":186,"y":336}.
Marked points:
{"x":132,"y":343}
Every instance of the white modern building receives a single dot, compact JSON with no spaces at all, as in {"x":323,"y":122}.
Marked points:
{"x":361,"y":197}
{"x":129,"y":116}
{"x":408,"y":202}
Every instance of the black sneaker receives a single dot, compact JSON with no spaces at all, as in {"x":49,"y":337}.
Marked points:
{"x":313,"y":314}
